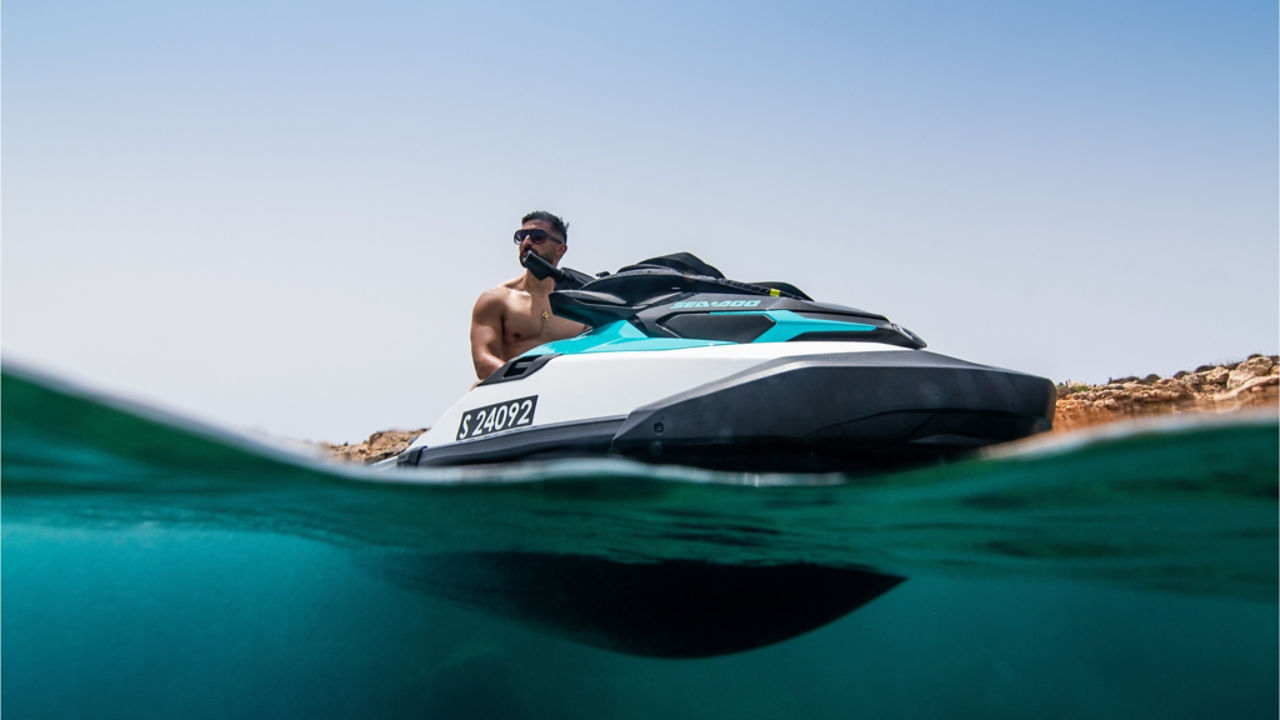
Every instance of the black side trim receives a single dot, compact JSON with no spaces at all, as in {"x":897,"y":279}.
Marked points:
{"x":733,"y":327}
{"x":517,"y":368}
{"x":879,"y":335}
{"x":893,"y":407}
{"x":409,"y":457}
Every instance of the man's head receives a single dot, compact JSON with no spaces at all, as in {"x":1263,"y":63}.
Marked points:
{"x":543,"y":233}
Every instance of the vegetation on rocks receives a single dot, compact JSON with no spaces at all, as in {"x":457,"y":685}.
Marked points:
{"x":1254,"y":382}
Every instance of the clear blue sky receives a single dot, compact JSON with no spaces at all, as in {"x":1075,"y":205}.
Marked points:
{"x":276,"y":215}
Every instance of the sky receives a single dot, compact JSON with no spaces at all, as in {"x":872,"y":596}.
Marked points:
{"x":276,"y":216}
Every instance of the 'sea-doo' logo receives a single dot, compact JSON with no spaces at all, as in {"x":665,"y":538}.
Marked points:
{"x":716,"y":304}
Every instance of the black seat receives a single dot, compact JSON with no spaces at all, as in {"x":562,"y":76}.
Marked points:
{"x":682,"y":262}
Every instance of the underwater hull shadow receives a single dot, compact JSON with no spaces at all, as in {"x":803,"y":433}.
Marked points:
{"x":669,"y":609}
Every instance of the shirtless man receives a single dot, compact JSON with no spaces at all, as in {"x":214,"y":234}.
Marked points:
{"x":516,"y":315}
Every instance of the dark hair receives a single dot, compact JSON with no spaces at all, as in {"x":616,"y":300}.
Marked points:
{"x":556,"y":223}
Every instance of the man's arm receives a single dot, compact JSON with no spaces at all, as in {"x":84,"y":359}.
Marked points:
{"x":486,"y":333}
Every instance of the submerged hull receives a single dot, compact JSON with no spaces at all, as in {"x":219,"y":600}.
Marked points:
{"x":787,"y":406}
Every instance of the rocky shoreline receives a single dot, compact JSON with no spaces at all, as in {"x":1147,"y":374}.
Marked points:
{"x":379,"y":446}
{"x":1250,"y":383}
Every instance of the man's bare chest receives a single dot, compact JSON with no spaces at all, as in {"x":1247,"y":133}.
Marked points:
{"x":527,"y":317}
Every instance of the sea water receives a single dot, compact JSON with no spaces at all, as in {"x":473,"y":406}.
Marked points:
{"x":153,"y":567}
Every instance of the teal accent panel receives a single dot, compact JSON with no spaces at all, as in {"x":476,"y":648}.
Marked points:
{"x":623,"y":336}
{"x":617,"y":336}
{"x":788,"y":325}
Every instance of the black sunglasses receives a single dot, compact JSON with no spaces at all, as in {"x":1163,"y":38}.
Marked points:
{"x":536,"y":236}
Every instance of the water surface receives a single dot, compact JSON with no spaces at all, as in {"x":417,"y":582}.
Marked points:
{"x":153,"y":567}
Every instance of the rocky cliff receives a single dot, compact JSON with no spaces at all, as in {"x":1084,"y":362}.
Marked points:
{"x":1251,"y":383}
{"x":1255,"y":382}
{"x":380,"y":446}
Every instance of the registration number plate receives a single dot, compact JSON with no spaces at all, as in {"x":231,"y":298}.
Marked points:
{"x":496,"y":418}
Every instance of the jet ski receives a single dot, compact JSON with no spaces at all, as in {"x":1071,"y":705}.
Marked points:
{"x":681,"y":365}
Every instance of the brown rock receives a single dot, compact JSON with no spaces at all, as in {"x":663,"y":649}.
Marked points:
{"x":1210,"y":389}
{"x":1256,"y":392}
{"x":1217,"y":376}
{"x":379,"y":446}
{"x":1249,"y":369}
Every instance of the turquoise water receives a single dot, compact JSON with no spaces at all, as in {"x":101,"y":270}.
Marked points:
{"x":153,"y":567}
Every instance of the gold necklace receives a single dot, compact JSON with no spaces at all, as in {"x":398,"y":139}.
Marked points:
{"x":545,"y":316}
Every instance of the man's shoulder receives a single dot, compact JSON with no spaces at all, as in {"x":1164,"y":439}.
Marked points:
{"x":515,"y":284}
{"x":501,"y":293}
